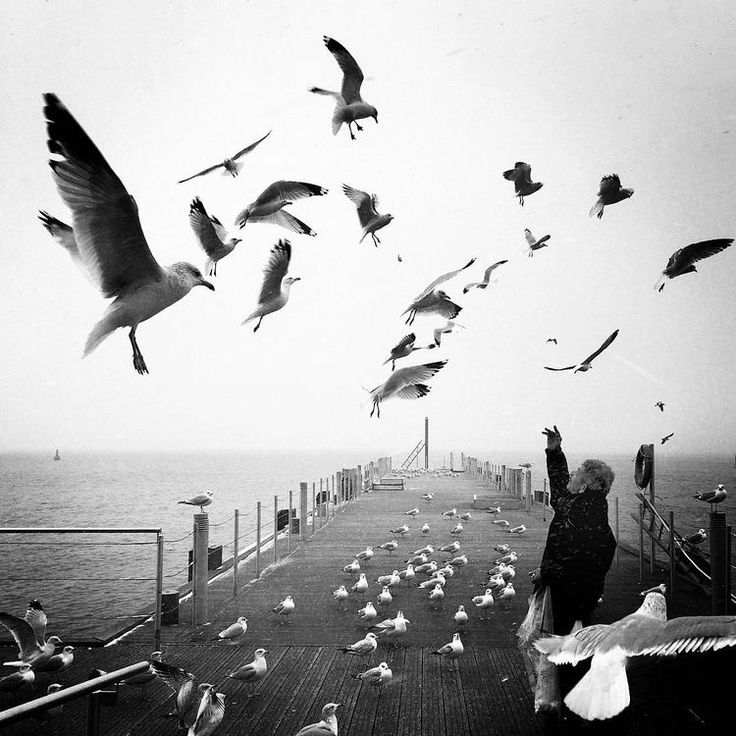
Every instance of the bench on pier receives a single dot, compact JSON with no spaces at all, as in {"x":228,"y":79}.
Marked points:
{"x":388,"y":484}
{"x":505,"y":502}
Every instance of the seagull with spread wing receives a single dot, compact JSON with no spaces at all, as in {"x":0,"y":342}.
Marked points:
{"x":403,"y":348}
{"x":441,"y":280}
{"x":446,"y":330}
{"x":586,"y":364}
{"x":29,"y":633}
{"x":660,"y":405}
{"x":184,"y":684}
{"x":682,"y":260}
{"x":349,"y":105}
{"x":231,"y":165}
{"x":533,"y":243}
{"x":210,"y":713}
{"x":486,"y":278}
{"x":667,"y":438}
{"x":108,"y":236}
{"x":604,"y":691}
{"x":405,"y":383}
{"x":276,"y":284}
{"x":211,"y":235}
{"x":436,"y":302}
{"x":521,"y":175}
{"x":610,"y":192}
{"x":268,"y":207}
{"x":368,"y":215}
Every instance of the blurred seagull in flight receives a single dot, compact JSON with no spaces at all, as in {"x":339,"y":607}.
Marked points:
{"x":108,"y":235}
{"x":604,"y":690}
{"x":535,"y":244}
{"x":713,"y":497}
{"x":551,"y":339}
{"x":349,"y":106}
{"x":268,"y":206}
{"x":231,"y":165}
{"x":446,"y":330}
{"x":276,"y":284}
{"x":521,"y":175}
{"x":660,"y":405}
{"x":405,"y":383}
{"x":436,"y":302}
{"x":326,"y":727}
{"x":682,"y":261}
{"x":441,"y":280}
{"x":211,"y":235}
{"x":610,"y":192}
{"x":486,"y":278}
{"x":368,"y":215}
{"x":668,"y":437}
{"x":201,"y":500}
{"x":586,"y":364}
{"x":403,"y":348}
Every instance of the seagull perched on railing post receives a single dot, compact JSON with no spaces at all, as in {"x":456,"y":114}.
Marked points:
{"x":713,"y":497}
{"x":201,"y":500}
{"x":107,"y":236}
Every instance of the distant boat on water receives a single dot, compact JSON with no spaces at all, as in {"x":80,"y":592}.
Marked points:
{"x":57,"y":456}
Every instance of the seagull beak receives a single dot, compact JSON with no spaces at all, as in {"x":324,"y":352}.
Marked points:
{"x":203,"y":282}
{"x":298,"y":278}
{"x":375,"y":117}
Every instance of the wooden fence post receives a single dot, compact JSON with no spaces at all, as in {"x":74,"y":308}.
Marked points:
{"x":258,"y":539}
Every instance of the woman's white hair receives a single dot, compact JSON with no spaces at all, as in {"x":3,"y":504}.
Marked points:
{"x":597,"y":475}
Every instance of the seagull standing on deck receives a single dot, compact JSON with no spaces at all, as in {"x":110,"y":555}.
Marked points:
{"x":610,"y":192}
{"x":682,"y":261}
{"x":370,"y":219}
{"x":231,"y":165}
{"x":285,"y":608}
{"x":107,"y":235}
{"x":405,"y":383}
{"x":268,"y":206}
{"x":521,"y":175}
{"x":349,"y":105}
{"x":211,"y":235}
{"x":254,"y":671}
{"x":326,"y":727}
{"x":276,"y":284}
{"x":586,"y":364}
{"x":452,"y":651}
{"x":234,"y":631}
{"x":364,"y":647}
{"x":376,"y":676}
{"x":201,"y":500}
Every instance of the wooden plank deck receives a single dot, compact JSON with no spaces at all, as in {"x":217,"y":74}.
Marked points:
{"x":490,"y":692}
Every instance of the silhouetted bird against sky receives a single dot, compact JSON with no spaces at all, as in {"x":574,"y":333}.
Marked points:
{"x":211,"y":235}
{"x":436,"y":302}
{"x":535,"y":244}
{"x":610,"y":192}
{"x":368,"y":215}
{"x":660,"y":405}
{"x":405,"y":383}
{"x":231,"y":164}
{"x":551,"y":339}
{"x":521,"y":175}
{"x":404,"y":347}
{"x":268,"y":206}
{"x":586,"y":364}
{"x":668,"y":437}
{"x":682,"y":261}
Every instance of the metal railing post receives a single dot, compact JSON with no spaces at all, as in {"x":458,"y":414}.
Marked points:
{"x":673,"y":558}
{"x":314,"y":506}
{"x":641,"y":542}
{"x":199,"y":565}
{"x":302,"y":511}
{"x":258,"y":539}
{"x":288,"y":536}
{"x":236,"y":551}
{"x":275,"y":528}
{"x":159,"y":589}
{"x":617,"y":530}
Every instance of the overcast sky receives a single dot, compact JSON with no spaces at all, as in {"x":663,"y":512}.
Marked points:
{"x":463,"y":90}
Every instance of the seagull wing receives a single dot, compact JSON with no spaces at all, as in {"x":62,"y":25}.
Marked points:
{"x":288,"y":190}
{"x":23,"y":633}
{"x":567,"y":368}
{"x":249,"y":148}
{"x":609,"y":185}
{"x":276,"y":268}
{"x":686,"y":634}
{"x":204,"y":228}
{"x":441,"y":279}
{"x":246,"y":672}
{"x":412,"y":375}
{"x":405,"y":342}
{"x":201,"y":173}
{"x":524,"y":173}
{"x":219,"y":228}
{"x":491,"y":269}
{"x":286,"y":220}
{"x":62,"y":234}
{"x":36,"y":617}
{"x":529,"y":237}
{"x":174,"y":677}
{"x":316,"y":729}
{"x":448,"y":309}
{"x":105,"y":217}
{"x":696,"y":252}
{"x":576,"y":647}
{"x":352,"y":74}
{"x":605,"y":344}
{"x":365,"y":203}
{"x":211,"y":711}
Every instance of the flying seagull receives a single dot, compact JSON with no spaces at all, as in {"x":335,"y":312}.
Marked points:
{"x":441,"y":280}
{"x":405,"y":383}
{"x":486,"y":278}
{"x":108,"y":234}
{"x":436,"y":302}
{"x":211,"y":235}
{"x":368,"y":215}
{"x":439,"y":331}
{"x":231,"y":164}
{"x":276,"y":284}
{"x":349,"y":106}
{"x":29,"y":634}
{"x":660,"y":405}
{"x":201,"y":500}
{"x":664,"y":439}
{"x":551,"y":339}
{"x":268,"y":207}
{"x":521,"y":175}
{"x":610,"y":192}
{"x":184,"y":684}
{"x":604,"y":691}
{"x":535,"y":244}
{"x":682,"y":261}
{"x":713,"y":497}
{"x":586,"y":364}
{"x":403,"y":348}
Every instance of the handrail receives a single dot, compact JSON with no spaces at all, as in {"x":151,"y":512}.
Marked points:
{"x":78,"y":530}
{"x":24,"y":710}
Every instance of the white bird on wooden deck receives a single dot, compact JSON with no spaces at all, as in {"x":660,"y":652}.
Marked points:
{"x":285,"y":608}
{"x":507,"y":558}
{"x":376,"y":676}
{"x":184,"y":684}
{"x":352,"y":568}
{"x":500,"y":522}
{"x":426,"y":569}
{"x":517,"y":529}
{"x":428,"y":549}
{"x":341,"y":594}
{"x":421,"y":559}
{"x":405,"y":383}
{"x":365,"y":555}
{"x":507,"y":593}
{"x":349,"y":105}
{"x":367,"y":645}
{"x":29,"y":634}
{"x":368,"y":215}
{"x":460,"y":618}
{"x":496,"y":582}
{"x":408,"y":574}
{"x":502,"y":548}
{"x":425,"y":529}
{"x":230,"y":165}
{"x":201,"y":500}
{"x":57,"y":662}
{"x":458,"y":561}
{"x":389,"y":546}
{"x":496,"y":510}
{"x":437,"y":578}
{"x":393,"y":629}
{"x":276,"y":286}
{"x":486,"y":278}
{"x":211,"y":236}
{"x":507,"y":572}
{"x":19,"y":682}
{"x":411,"y":512}
{"x":713,"y":497}
{"x":457,"y":529}
{"x":452,"y":651}
{"x":368,"y":612}
{"x":604,"y":691}
{"x":326,"y":727}
{"x":467,"y":516}
{"x":427,"y":497}
{"x":437,"y":595}
{"x":210,"y":713}
{"x":361,"y":586}
{"x":450,"y":513}
{"x":254,"y":671}
{"x":268,"y":206}
{"x":389,"y":580}
{"x":385,"y":597}
{"x":485,"y":601}
{"x":451,"y":548}
{"x":234,"y":631}
{"x":107,"y":236}
{"x":400,"y":530}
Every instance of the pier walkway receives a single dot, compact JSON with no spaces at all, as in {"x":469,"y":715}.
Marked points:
{"x":488,"y":695}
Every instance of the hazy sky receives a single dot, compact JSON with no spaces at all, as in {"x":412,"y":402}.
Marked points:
{"x":463,"y":90}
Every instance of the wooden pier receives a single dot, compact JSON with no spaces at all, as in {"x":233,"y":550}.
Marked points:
{"x":489,"y":694}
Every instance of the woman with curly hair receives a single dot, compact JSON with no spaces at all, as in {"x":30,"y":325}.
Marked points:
{"x":580,"y":544}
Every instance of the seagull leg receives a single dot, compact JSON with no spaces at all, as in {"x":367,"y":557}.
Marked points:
{"x":359,"y":127}
{"x":350,"y":128}
{"x":258,"y":325}
{"x":138,"y":363}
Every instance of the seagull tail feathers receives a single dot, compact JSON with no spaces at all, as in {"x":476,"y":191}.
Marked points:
{"x":660,"y":283}
{"x":597,"y":210}
{"x":104,"y":328}
{"x":603,"y":692}
{"x":250,"y":317}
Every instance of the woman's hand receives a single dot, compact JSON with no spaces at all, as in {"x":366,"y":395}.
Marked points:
{"x":554,"y":438}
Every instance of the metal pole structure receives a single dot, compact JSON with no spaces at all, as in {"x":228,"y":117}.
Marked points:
{"x":528,"y":490}
{"x":200,"y":573}
{"x":236,"y":551}
{"x":322,"y":507}
{"x":729,"y":543}
{"x":617,"y":530}
{"x":426,"y":442}
{"x":544,"y":500}
{"x":291,"y":506}
{"x":673,"y":558}
{"x":159,"y":589}
{"x":302,"y":511}
{"x":653,"y":546}
{"x":719,"y":563}
{"x":275,"y":528}
{"x":314,"y":506}
{"x":258,"y":540}
{"x":503,"y":479}
{"x":641,"y":542}
{"x":93,"y":714}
